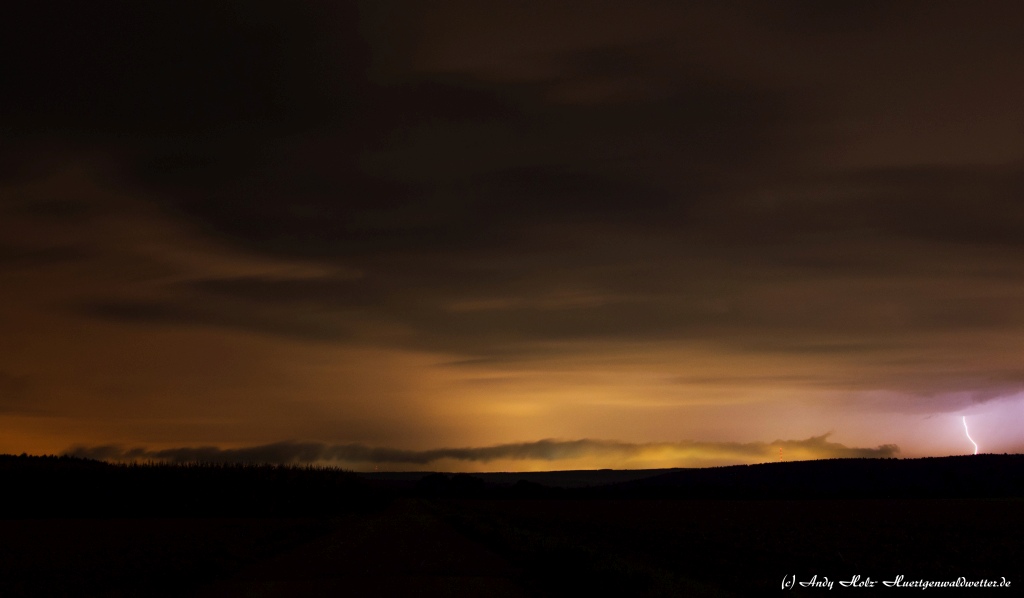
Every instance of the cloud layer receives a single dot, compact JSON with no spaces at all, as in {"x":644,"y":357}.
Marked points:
{"x":545,"y":221}
{"x":604,"y":188}
{"x":551,"y":451}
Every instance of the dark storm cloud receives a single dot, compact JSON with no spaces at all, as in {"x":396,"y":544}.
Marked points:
{"x":54,"y":210}
{"x":201,"y":313}
{"x":541,"y":450}
{"x":316,"y":291}
{"x":863,"y":17}
{"x":438,"y":180}
{"x":963,"y":206}
{"x":140,"y":311}
{"x":271,"y":128}
{"x":902,"y":255}
{"x":267,"y":125}
{"x":112,"y":68}
{"x":14,"y":393}
{"x":611,"y":191}
{"x":31,"y":257}
{"x":937,"y":204}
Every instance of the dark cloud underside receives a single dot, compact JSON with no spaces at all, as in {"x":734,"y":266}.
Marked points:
{"x":795,"y":196}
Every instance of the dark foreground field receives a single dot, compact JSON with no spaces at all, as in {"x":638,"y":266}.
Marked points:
{"x":489,"y":536}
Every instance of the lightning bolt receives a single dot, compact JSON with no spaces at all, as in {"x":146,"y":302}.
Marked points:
{"x":969,"y":436}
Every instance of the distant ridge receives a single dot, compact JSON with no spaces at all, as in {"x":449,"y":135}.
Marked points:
{"x":972,"y":476}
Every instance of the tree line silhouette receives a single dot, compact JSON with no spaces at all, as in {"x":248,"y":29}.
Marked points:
{"x":48,"y":486}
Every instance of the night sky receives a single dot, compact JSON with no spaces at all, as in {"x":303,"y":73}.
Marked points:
{"x":511,"y":235}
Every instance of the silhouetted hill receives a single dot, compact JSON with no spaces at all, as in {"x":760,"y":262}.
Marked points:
{"x":81,"y":527}
{"x":64,"y":486}
{"x":973,"y":476}
{"x":74,"y":487}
